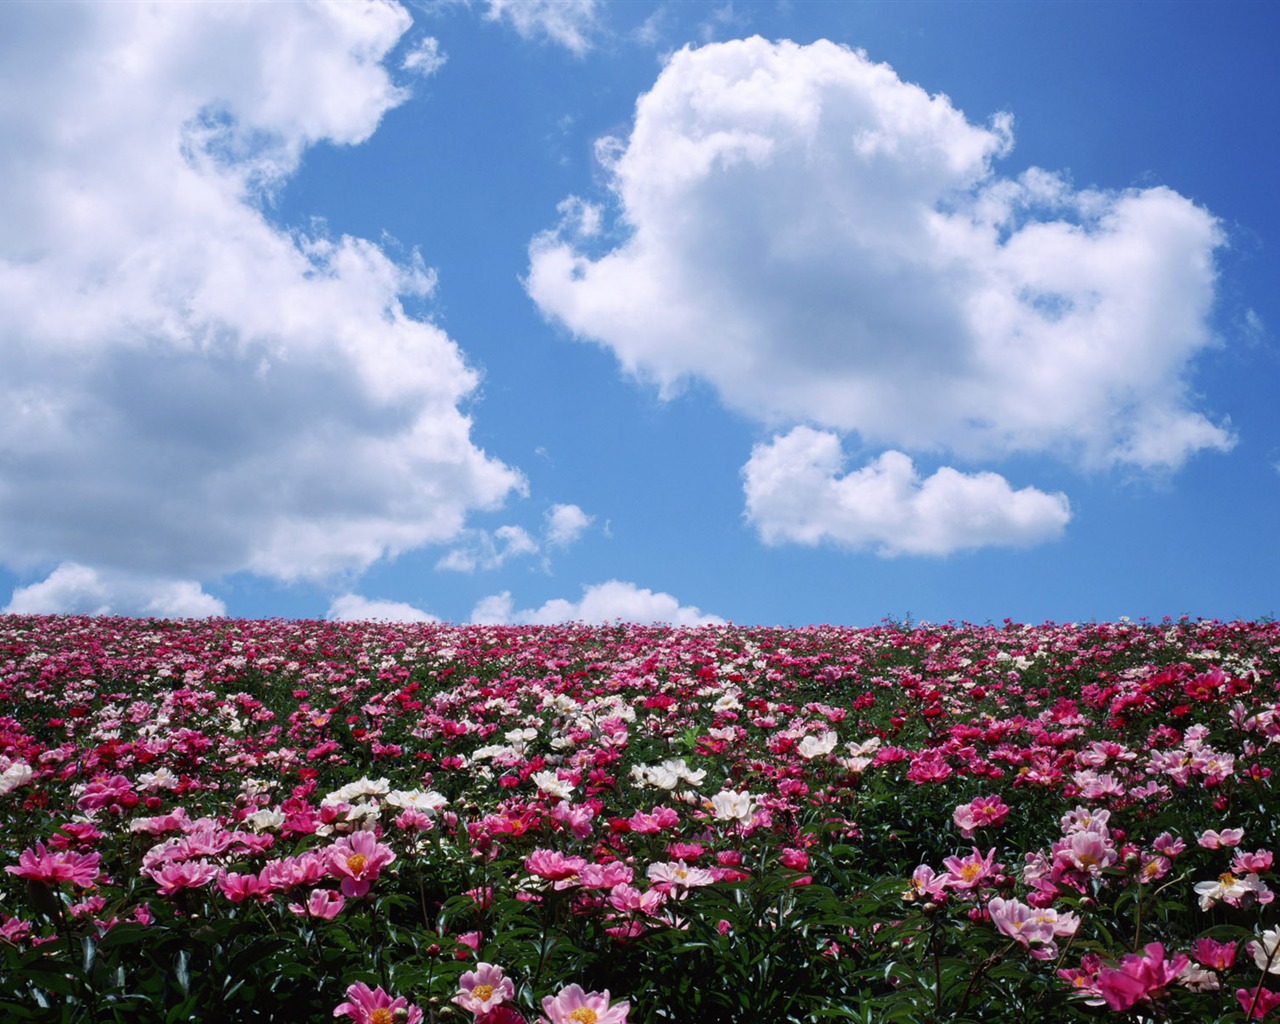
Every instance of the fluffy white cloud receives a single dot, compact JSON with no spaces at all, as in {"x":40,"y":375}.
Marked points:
{"x":571,"y":23}
{"x":189,"y":390}
{"x":354,"y":608}
{"x":796,"y":492}
{"x":826,"y":243}
{"x":565,"y":524}
{"x":73,"y":589}
{"x":484,"y":550}
{"x":600,"y":603}
{"x":425,"y":58}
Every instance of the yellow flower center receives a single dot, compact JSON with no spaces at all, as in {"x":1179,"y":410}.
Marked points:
{"x":482,"y":992}
{"x":1226,"y":879}
{"x":355,"y":864}
{"x":381,"y":1015}
{"x":583,"y":1015}
{"x":970,"y":871}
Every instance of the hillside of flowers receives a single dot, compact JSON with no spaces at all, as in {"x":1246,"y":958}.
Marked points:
{"x":226,"y":820}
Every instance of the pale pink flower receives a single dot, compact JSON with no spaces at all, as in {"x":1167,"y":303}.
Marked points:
{"x":925,"y":884}
{"x":970,"y":872}
{"x":373,"y":1006}
{"x":1212,"y":840}
{"x":678,"y":875}
{"x":483,"y":989}
{"x":571,"y":1005}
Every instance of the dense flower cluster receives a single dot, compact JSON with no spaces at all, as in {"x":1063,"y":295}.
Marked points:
{"x":508,"y":824}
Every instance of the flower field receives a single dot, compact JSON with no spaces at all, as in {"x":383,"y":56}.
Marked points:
{"x":225,"y":820}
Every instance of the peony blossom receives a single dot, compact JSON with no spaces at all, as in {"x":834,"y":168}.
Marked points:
{"x":479,"y":991}
{"x":373,"y":1006}
{"x":357,"y":859}
{"x":52,"y":867}
{"x":571,"y":1005}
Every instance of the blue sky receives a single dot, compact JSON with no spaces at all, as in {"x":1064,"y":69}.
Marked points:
{"x":775,"y":313}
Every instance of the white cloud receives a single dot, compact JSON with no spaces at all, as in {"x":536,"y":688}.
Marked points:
{"x":571,"y":23}
{"x":565,"y":524}
{"x":354,"y":608}
{"x":188,"y":390}
{"x":601,"y":603}
{"x":425,"y":58}
{"x":796,"y":492}
{"x":826,"y":243}
{"x":484,"y":550}
{"x":73,"y":589}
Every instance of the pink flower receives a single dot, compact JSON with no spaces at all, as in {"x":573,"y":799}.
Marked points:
{"x":483,"y":989}
{"x":1218,"y":955}
{"x":373,"y":1006}
{"x":552,"y":865}
{"x":322,"y":903}
{"x":237,"y":888}
{"x":1139,"y":977}
{"x":1242,"y":863}
{"x":52,"y":867}
{"x":1212,"y":840}
{"x":573,"y":1006}
{"x":357,"y":859}
{"x":970,"y":872}
{"x":978,"y":812}
{"x":190,"y":874}
{"x":925,"y":883}
{"x":1256,"y":1002}
{"x":1032,"y":928}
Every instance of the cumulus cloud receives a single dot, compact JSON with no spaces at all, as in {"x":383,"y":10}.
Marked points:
{"x":572,"y":24}
{"x":797,"y":492}
{"x":354,"y":608}
{"x":600,"y":603}
{"x":826,"y":243}
{"x":565,"y":524}
{"x":73,"y":589}
{"x":484,"y":550}
{"x":190,"y":390}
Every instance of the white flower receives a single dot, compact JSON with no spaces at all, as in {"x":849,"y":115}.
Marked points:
{"x":359,"y":788}
{"x":264,"y":819}
{"x":817,"y":746}
{"x":728,"y":805}
{"x":17,"y":774}
{"x":1265,"y":953}
{"x":552,"y":785}
{"x":426,"y":801}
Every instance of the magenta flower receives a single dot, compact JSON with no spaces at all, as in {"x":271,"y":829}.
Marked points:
{"x":357,"y":859}
{"x":52,"y":867}
{"x":373,"y":1006}
{"x":483,"y":989}
{"x":1256,"y":1002}
{"x":571,"y":1005}
{"x":1138,"y":977}
{"x":1218,"y":955}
